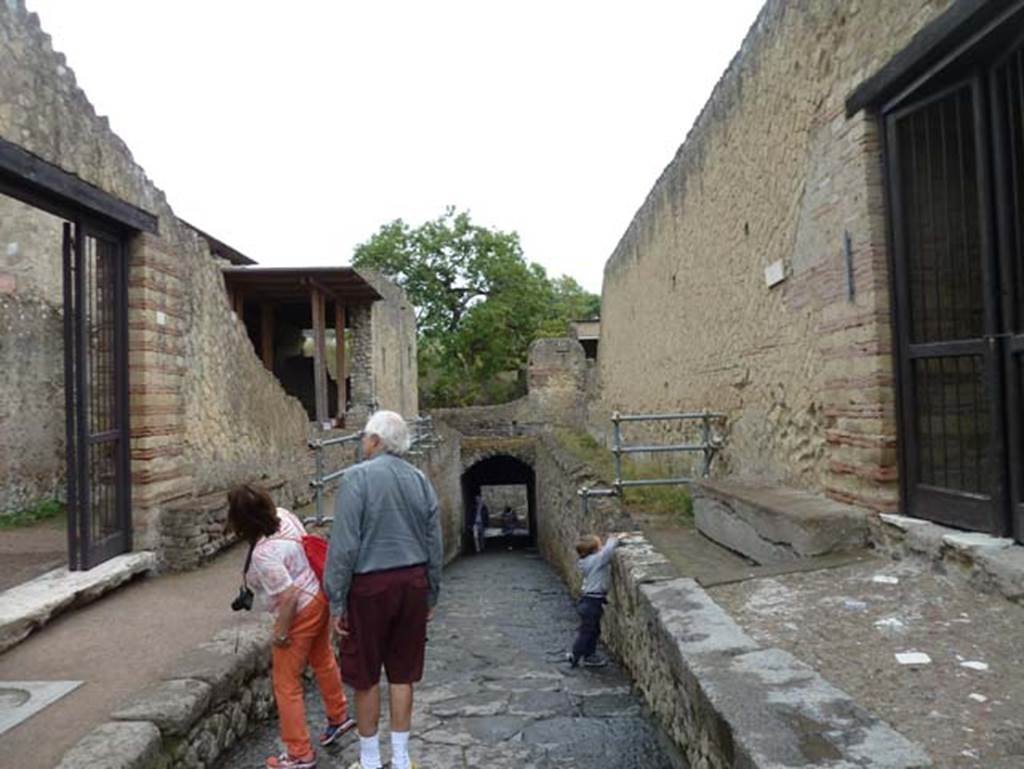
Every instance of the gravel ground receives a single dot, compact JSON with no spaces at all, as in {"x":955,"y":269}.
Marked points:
{"x":849,"y":623}
{"x":496,"y":694}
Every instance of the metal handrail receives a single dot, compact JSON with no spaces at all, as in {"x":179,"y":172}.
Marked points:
{"x":709,"y":446}
{"x":423,"y":438}
{"x":320,"y":479}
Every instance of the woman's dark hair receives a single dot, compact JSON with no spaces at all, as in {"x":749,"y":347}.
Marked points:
{"x":251,"y":512}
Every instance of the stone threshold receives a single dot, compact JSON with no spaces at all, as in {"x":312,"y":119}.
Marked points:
{"x":27,"y":607}
{"x":988,"y":563}
{"x":725,"y":699}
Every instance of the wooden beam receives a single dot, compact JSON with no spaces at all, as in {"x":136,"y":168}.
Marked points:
{"x":239,"y":304}
{"x":934,"y":46}
{"x":39,"y":183}
{"x":267,"y":335}
{"x":339,"y":355}
{"x":319,"y":355}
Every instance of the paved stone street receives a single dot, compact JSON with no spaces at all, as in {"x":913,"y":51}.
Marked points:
{"x":496,"y":694}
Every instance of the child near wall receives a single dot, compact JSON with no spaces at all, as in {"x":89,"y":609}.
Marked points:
{"x":595,"y":565}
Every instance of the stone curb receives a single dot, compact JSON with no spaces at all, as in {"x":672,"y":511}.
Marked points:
{"x":988,"y":563}
{"x":208,"y":700}
{"x":726,"y":700}
{"x":117,"y":745}
{"x":29,"y":606}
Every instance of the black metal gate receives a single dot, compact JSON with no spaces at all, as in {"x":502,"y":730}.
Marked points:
{"x":96,"y":387}
{"x":956,"y":172}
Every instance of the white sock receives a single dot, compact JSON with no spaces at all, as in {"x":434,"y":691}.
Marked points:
{"x":369,"y":751}
{"x":399,"y":750}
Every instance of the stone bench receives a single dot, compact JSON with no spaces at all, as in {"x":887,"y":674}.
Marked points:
{"x":772,"y":524}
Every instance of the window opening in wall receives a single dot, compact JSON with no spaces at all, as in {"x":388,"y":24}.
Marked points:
{"x":955,"y":157}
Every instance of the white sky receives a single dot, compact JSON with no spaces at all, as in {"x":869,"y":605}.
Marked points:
{"x":293,"y":130}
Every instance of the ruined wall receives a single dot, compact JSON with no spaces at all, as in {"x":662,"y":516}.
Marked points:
{"x":772,"y":171}
{"x":31,"y":357}
{"x":442,"y":465}
{"x":204,"y":412}
{"x":557,"y":379}
{"x":393,"y":356}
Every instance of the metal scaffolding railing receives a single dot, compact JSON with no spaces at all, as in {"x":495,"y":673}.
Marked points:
{"x":708,"y":445}
{"x":422,"y":438}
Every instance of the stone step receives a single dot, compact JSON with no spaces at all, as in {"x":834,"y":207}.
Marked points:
{"x":29,"y":606}
{"x":773,"y":524}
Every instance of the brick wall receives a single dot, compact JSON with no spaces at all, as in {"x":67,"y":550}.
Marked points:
{"x":772,"y":171}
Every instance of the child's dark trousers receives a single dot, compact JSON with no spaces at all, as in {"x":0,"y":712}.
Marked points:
{"x":590,"y":608}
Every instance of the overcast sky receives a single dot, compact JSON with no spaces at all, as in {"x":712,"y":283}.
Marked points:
{"x":293,"y":130}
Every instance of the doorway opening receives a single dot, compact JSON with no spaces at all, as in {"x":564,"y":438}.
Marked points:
{"x":506,"y":488}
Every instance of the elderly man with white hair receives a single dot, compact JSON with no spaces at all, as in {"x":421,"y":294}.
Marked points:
{"x":382,"y":577}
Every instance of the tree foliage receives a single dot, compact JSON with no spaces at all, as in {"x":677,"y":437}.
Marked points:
{"x":479,"y":303}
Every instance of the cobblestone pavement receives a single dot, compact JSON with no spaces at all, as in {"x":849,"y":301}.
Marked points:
{"x":496,"y":693}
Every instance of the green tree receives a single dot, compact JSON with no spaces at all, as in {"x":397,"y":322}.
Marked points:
{"x":479,"y":303}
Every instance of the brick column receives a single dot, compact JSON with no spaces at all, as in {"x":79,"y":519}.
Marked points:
{"x":855,"y":337}
{"x":156,"y":361}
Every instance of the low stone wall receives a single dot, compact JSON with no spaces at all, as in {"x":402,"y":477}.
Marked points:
{"x":212,"y":696}
{"x":724,"y":700}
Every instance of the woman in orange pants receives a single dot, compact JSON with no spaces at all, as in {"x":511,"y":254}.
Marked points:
{"x":280,"y":575}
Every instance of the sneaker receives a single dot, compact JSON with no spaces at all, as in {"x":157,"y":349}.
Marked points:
{"x":332,"y":732}
{"x":594,"y":661}
{"x":285,"y":761}
{"x":572,"y":659}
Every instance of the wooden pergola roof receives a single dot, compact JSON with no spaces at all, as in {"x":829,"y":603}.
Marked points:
{"x":293,"y":284}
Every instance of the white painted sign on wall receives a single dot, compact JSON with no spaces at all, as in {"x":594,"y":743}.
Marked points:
{"x":774,"y":273}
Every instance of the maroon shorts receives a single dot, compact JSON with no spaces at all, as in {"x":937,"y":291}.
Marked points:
{"x":387,"y":623}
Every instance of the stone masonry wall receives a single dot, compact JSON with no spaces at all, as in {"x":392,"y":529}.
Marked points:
{"x":393,"y":347}
{"x":362,"y":385}
{"x":32,"y":462}
{"x":772,"y":171}
{"x":204,"y":413}
{"x":442,"y":466}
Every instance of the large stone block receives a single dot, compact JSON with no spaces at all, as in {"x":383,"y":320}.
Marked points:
{"x":771,"y":524}
{"x":174,"y":706}
{"x":118,"y":745}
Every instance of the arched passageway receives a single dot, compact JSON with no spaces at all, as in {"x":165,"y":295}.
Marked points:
{"x":504,"y":482}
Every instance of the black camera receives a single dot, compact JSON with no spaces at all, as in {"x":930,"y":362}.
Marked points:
{"x":243,"y":600}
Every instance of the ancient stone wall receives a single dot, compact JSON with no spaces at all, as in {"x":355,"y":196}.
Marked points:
{"x":204,"y":412}
{"x":31,"y":358}
{"x":362,"y":385}
{"x":393,"y":347}
{"x":772,"y":173}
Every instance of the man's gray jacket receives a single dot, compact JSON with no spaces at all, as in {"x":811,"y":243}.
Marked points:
{"x":385,"y":517}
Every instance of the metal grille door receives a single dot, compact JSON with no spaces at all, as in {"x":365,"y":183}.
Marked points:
{"x":96,"y":387}
{"x":1007,"y":100}
{"x":943,"y":274}
{"x":956,"y":169}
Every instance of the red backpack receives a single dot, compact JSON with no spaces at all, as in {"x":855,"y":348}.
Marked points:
{"x":316,"y":553}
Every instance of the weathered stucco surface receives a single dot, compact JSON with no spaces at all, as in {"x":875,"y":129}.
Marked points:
{"x":772,"y":171}
{"x":31,"y":359}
